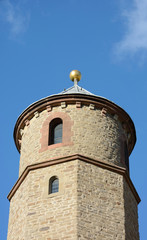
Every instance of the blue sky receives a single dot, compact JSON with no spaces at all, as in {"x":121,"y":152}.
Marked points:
{"x":42,"y":41}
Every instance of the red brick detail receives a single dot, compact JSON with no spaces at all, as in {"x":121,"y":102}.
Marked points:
{"x":27,"y":122}
{"x":67,"y":133}
{"x":104,"y":111}
{"x":49,"y":108}
{"x":78,"y":104}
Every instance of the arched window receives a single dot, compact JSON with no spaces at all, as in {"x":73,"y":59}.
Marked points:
{"x":55,"y":131}
{"x":53,"y":185}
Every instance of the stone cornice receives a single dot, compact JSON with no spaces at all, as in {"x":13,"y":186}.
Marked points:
{"x":98,"y":163}
{"x":88,"y":100}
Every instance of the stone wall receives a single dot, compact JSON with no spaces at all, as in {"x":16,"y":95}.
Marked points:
{"x":131,"y":214}
{"x":100,"y":204}
{"x":36,"y":215}
{"x":92,"y":134}
{"x":92,"y":203}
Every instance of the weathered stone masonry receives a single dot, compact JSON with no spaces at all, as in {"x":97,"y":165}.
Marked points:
{"x":96,"y":198}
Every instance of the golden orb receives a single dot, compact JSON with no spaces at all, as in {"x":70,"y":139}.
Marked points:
{"x":75,"y":74}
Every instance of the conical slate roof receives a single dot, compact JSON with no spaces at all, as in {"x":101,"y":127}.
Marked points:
{"x":76,"y":89}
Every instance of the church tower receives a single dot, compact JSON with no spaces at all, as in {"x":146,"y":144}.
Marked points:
{"x":74,"y":178}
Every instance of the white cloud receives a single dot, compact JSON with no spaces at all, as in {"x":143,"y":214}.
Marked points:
{"x":13,"y":14}
{"x":135,"y":37}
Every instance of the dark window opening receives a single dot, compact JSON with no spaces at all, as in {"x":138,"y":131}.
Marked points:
{"x":126,"y":154}
{"x":53,"y":185}
{"x":55,"y":131}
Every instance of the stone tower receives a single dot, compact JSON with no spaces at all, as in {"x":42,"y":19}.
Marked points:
{"x":74,"y":170}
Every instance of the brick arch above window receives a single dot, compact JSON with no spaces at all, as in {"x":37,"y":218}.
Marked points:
{"x":67,"y":132}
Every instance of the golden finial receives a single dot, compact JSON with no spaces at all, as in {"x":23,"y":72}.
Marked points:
{"x":75,"y":75}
